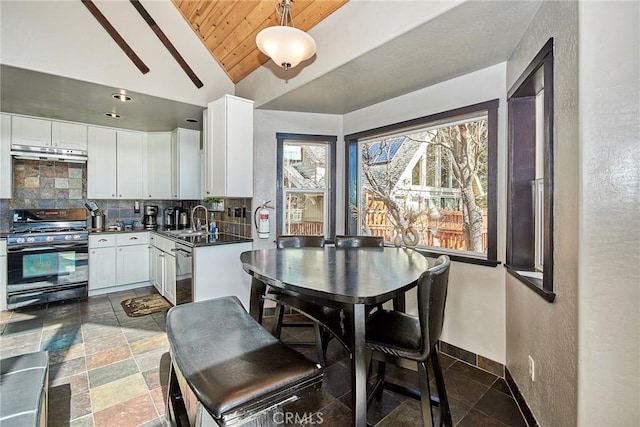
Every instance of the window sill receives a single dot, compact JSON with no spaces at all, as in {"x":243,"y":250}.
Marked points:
{"x":459,"y":257}
{"x":532,"y":281}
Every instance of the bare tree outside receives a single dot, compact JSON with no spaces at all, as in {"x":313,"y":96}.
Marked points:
{"x":454,"y":164}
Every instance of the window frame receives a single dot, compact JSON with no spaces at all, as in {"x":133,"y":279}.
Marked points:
{"x":521,"y":152}
{"x":352,"y":184}
{"x":330,"y":213}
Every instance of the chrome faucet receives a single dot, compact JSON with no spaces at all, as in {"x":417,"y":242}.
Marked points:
{"x":206,"y":218}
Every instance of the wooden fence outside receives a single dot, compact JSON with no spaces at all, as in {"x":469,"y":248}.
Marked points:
{"x":449,"y":232}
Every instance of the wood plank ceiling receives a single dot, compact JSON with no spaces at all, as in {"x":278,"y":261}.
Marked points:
{"x":228,"y":28}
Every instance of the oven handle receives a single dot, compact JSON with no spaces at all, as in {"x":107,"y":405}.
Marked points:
{"x":17,"y":249}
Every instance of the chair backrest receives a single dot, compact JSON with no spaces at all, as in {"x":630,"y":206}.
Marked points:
{"x":432,"y":296}
{"x":292,"y":241}
{"x":359,"y":242}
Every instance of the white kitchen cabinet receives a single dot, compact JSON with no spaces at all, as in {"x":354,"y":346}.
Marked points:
{"x":185,"y":168}
{"x":217,"y":272}
{"x":164,"y":267}
{"x":6,"y":168}
{"x":32,"y":132}
{"x":102,"y":261}
{"x":130,"y":264}
{"x":101,"y":165}
{"x":228,"y":148}
{"x":69,"y":135}
{"x":116,"y":165}
{"x":169,"y":277}
{"x":159,"y":165}
{"x":117,"y":260}
{"x":130,"y":170}
{"x":3,"y":275}
{"x":153,"y":268}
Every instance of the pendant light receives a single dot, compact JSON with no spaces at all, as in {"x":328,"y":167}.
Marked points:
{"x":286,"y":45}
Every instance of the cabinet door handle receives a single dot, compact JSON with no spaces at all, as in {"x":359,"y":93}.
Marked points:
{"x":133,"y":238}
{"x":113,"y":195}
{"x":102,"y":240}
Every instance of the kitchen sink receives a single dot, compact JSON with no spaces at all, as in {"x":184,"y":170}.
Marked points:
{"x":186,"y":233}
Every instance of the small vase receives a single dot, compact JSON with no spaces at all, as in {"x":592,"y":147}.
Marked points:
{"x":397,"y":239}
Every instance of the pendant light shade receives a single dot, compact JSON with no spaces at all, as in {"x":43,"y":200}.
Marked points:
{"x":286,"y":45}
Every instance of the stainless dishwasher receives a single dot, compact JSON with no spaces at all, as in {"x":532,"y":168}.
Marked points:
{"x":184,"y":273}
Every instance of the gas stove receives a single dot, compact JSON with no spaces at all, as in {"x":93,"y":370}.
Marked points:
{"x":48,"y":226}
{"x":47,"y":256}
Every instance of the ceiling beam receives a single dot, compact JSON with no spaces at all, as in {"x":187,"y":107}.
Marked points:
{"x":115,"y":36}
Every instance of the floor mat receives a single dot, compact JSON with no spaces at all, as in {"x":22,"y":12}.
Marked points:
{"x":141,"y":306}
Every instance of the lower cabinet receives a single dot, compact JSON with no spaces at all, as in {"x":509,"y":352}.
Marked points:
{"x":129,"y":260}
{"x":163,"y":267}
{"x":115,"y":260}
{"x":3,"y":275}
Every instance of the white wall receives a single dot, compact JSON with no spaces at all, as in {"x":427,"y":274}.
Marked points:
{"x":548,"y":332}
{"x":357,"y":27}
{"x":266,"y":125}
{"x":475,"y":312}
{"x":609,"y":246}
{"x":63,"y":38}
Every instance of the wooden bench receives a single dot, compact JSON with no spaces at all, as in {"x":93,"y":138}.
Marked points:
{"x":227,"y":368}
{"x":24,"y":382}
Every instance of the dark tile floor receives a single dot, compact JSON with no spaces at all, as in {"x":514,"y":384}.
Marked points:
{"x":109,"y":369}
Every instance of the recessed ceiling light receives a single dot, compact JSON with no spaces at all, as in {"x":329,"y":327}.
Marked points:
{"x":112,"y":115}
{"x":121,"y":97}
{"x":191,"y":120}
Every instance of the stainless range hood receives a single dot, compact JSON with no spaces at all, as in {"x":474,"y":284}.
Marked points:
{"x":24,"y":152}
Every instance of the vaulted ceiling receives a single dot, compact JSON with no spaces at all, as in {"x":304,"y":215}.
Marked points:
{"x":228,"y":28}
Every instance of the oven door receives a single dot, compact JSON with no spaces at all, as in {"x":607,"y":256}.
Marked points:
{"x":39,"y":274}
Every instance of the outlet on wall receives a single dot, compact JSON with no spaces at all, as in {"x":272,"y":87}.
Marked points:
{"x":532,"y":369}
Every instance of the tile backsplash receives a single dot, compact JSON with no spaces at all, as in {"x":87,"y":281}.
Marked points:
{"x":49,"y":184}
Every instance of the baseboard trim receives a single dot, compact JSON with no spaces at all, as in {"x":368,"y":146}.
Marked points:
{"x":520,"y":400}
{"x":473,"y":359}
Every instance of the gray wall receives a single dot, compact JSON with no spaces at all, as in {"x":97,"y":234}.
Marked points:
{"x":549,"y":332}
{"x":586,"y":344}
{"x":609,"y":235}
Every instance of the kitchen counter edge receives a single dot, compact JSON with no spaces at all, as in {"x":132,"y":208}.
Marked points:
{"x":223,"y":239}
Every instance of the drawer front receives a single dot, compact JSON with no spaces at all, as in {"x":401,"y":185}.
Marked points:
{"x":127,"y":239}
{"x":101,"y":240}
{"x":165,"y":244}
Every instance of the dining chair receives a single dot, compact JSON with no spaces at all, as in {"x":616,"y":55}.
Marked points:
{"x":395,"y":337}
{"x":359,"y":242}
{"x":295,"y":241}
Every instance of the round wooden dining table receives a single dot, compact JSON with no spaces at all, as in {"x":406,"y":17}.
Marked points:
{"x":348,"y":279}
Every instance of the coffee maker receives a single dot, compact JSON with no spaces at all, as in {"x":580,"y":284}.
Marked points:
{"x":150,"y":220}
{"x":169,"y":218}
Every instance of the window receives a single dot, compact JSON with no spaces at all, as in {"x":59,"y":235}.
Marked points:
{"x":530,"y":176}
{"x":306,"y":179}
{"x":428,"y":181}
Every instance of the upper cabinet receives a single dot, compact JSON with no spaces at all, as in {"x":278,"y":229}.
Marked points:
{"x":185,"y":170}
{"x":228,"y":148}
{"x":69,"y":135}
{"x":159,"y":166}
{"x":32,"y":132}
{"x":5,"y":157}
{"x":116,"y":165}
{"x":173,"y":160}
